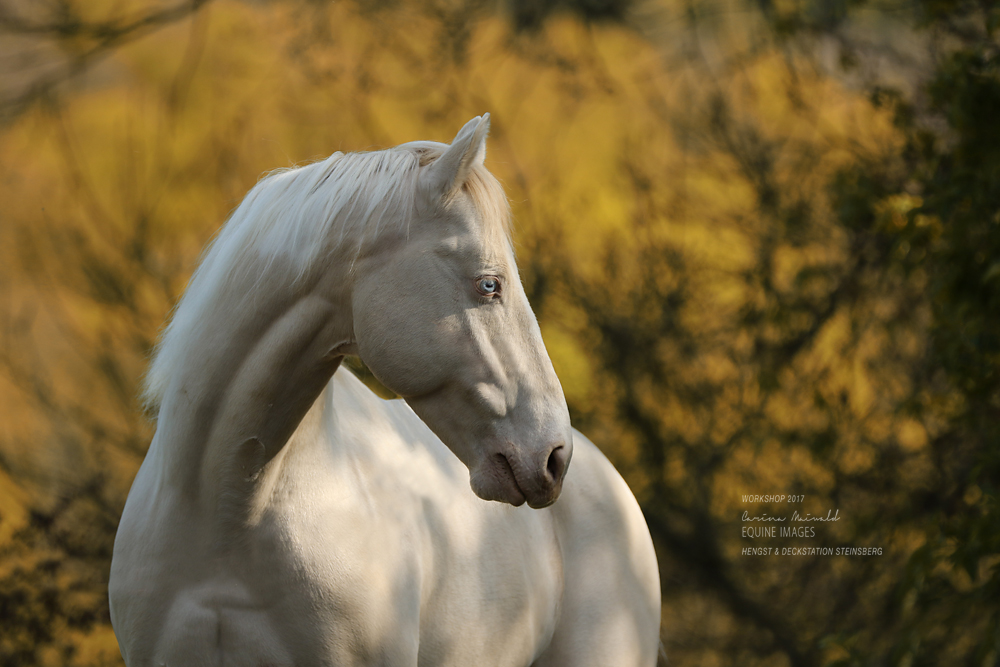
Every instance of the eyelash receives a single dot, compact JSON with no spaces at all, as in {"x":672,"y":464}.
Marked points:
{"x":496,"y":292}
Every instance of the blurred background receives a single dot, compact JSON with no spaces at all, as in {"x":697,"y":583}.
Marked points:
{"x":762,"y":238}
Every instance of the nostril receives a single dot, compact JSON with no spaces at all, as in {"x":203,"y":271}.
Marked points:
{"x":556,"y":465}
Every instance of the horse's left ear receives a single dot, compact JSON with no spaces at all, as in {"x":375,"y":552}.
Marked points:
{"x":467,"y":151}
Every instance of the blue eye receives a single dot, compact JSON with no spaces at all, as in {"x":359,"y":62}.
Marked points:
{"x":488,"y":285}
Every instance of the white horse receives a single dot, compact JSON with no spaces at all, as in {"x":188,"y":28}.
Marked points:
{"x":282,"y":517}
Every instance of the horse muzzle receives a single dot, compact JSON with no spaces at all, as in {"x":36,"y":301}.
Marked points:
{"x":513,"y":476}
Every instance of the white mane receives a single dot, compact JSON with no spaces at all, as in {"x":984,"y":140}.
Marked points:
{"x":302,"y":215}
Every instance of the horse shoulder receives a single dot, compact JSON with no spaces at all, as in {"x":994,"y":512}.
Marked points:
{"x":611,"y":606}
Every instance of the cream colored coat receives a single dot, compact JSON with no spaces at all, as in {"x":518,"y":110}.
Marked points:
{"x":282,"y":517}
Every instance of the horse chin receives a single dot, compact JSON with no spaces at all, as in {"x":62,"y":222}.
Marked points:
{"x":542,"y":504}
{"x":494,"y":480}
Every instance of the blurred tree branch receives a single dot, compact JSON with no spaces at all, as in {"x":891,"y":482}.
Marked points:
{"x":80,"y":43}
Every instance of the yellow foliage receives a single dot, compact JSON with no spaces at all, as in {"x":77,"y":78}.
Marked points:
{"x":13,"y":507}
{"x":110,"y":197}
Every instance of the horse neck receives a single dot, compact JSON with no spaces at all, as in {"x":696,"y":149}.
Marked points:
{"x":256,"y":361}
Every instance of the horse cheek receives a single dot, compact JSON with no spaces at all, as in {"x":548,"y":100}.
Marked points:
{"x":405,"y":358}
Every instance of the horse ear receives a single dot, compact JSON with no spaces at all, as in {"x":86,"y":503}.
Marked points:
{"x":467,"y":151}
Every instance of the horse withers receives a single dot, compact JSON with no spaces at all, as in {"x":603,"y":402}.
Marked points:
{"x":286,"y":515}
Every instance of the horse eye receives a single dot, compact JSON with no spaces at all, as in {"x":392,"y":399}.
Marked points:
{"x":488,"y":286}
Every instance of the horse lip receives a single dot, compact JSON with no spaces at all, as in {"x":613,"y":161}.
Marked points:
{"x":549,"y":498}
{"x":495,"y":480}
{"x":543,"y":505}
{"x":533,"y":503}
{"x":509,"y":469}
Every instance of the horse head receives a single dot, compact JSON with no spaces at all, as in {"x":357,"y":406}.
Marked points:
{"x":441,"y":318}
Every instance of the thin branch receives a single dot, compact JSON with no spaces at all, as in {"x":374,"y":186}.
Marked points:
{"x":105,"y":35}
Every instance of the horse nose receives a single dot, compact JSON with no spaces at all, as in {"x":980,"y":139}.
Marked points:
{"x":556,"y":465}
{"x":548,"y":485}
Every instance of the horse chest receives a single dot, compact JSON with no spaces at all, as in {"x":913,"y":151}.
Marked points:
{"x":455,"y":579}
